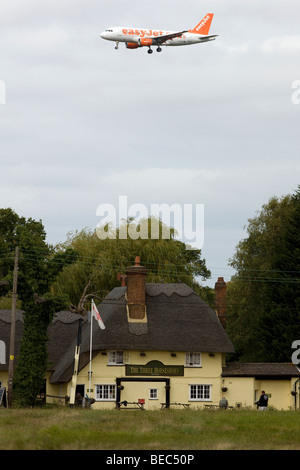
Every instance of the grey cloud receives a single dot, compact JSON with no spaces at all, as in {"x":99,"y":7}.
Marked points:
{"x":211,"y":123}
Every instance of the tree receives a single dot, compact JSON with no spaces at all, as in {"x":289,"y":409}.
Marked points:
{"x":39,"y":264}
{"x":262,"y":297}
{"x":99,"y":261}
{"x":281,"y":321}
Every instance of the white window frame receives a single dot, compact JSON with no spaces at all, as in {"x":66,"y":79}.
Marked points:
{"x":105,"y":392}
{"x":193,"y":359}
{"x":153,"y":394}
{"x":2,"y":352}
{"x":116,"y":358}
{"x":200,"y":392}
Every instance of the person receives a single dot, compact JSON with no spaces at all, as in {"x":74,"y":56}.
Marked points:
{"x":223,"y":403}
{"x":262,"y":403}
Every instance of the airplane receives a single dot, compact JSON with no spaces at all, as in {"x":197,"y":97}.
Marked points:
{"x":141,"y":37}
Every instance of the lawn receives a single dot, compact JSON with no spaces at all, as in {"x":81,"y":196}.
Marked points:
{"x":81,"y":429}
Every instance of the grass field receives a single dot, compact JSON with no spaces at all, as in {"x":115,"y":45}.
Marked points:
{"x":81,"y":429}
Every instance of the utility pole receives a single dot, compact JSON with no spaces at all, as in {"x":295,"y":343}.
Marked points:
{"x":12,"y":329}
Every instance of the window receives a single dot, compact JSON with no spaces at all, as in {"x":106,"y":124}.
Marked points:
{"x":2,"y":353}
{"x":153,"y":394}
{"x":193,"y":359}
{"x":105,"y":392}
{"x":115,"y":357}
{"x":200,"y":392}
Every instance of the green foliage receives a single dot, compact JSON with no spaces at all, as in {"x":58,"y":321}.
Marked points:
{"x":33,"y":360}
{"x":263,"y":316}
{"x":28,"y":234}
{"x":99,"y":260}
{"x":39,"y":306}
{"x":39,"y":265}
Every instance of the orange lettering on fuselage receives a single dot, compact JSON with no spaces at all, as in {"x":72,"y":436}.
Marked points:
{"x":143,"y":32}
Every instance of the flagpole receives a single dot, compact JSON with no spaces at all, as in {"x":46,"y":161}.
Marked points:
{"x":91,"y":341}
{"x":76,"y":366}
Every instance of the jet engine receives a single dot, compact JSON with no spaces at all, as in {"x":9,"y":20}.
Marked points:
{"x":132,"y":45}
{"x":145,"y":42}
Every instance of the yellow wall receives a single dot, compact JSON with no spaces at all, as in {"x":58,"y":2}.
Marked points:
{"x":280,"y":391}
{"x":241,"y":391}
{"x":56,"y":392}
{"x":102,"y":373}
{"x":4,"y":378}
{"x":247,"y":390}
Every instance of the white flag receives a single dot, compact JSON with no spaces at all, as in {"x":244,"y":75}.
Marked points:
{"x":97,"y":317}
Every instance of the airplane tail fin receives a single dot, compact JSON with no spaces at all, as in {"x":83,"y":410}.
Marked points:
{"x":204,"y":25}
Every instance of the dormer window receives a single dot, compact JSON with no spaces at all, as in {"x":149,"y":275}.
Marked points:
{"x":115,"y":358}
{"x":193,"y":359}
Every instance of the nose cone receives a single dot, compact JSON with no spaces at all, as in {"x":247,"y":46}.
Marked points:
{"x":103,"y":35}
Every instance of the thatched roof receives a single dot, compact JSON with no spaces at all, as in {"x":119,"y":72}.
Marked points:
{"x":62,"y":332}
{"x":177,"y":320}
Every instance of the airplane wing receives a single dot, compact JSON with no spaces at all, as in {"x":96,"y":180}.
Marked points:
{"x":160,"y":39}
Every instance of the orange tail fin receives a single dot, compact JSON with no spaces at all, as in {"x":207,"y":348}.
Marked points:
{"x":204,"y":25}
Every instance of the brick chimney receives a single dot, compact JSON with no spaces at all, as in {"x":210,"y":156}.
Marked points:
{"x":122,"y":278}
{"x":136,"y":292}
{"x":220,"y":300}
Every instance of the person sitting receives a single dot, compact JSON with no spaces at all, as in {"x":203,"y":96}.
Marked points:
{"x":223,"y":403}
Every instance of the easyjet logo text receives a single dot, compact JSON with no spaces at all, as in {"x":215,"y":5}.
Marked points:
{"x":145,"y":32}
{"x":202,"y":22}
{"x":142,"y":32}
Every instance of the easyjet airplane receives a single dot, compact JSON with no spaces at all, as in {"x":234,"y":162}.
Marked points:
{"x":140,"y":37}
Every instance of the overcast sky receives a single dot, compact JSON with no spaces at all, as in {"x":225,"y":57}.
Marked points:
{"x":210,"y":124}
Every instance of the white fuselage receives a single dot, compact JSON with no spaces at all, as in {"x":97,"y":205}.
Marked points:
{"x":130,"y":35}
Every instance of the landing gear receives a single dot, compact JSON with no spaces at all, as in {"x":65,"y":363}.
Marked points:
{"x":150,"y":51}
{"x":117,"y":45}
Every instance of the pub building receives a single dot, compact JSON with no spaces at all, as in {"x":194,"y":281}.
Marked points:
{"x":162,"y":347}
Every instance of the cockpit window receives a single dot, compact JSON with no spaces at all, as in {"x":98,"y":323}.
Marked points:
{"x":109,"y":30}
